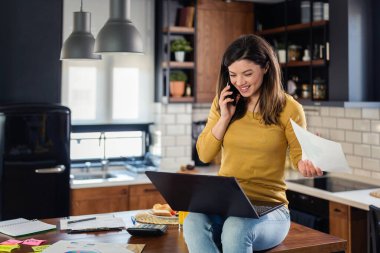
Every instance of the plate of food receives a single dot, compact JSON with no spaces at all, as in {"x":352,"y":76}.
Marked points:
{"x":163,"y":211}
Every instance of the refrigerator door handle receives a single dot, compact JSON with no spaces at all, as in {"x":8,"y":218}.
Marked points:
{"x":57,"y":169}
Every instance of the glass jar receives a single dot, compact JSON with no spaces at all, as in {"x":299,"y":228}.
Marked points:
{"x":294,"y":53}
{"x":305,"y":91}
{"x":319,"y":89}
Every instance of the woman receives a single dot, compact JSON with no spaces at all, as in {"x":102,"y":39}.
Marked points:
{"x":253,"y":131}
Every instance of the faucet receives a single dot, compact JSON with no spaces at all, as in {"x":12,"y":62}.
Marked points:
{"x":104,"y":162}
{"x":104,"y":165}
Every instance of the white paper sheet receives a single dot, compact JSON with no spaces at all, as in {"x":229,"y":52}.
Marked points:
{"x":101,"y":222}
{"x":325,"y":154}
{"x":80,"y":246}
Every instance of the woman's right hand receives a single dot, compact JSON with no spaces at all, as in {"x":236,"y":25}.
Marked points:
{"x":227,"y":109}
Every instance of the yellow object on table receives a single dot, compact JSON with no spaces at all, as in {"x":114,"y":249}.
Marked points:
{"x":181,"y":217}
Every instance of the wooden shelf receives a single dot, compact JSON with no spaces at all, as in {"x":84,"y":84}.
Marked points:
{"x":313,"y":63}
{"x":181,"y":99}
{"x":295,"y":27}
{"x":178,"y":65}
{"x":179,"y":30}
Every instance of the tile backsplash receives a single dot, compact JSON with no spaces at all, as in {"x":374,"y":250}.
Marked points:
{"x":171,"y":135}
{"x":357,"y":129}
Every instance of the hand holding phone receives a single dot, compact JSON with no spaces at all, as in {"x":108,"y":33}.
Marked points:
{"x":234,"y":94}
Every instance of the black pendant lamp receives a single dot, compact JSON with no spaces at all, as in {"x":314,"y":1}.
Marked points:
{"x":119,"y":35}
{"x":80,"y":44}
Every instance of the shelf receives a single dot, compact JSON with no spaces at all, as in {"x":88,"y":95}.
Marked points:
{"x":313,"y":63}
{"x":178,"y":65}
{"x":179,"y":30}
{"x":295,"y":27}
{"x":181,"y":99}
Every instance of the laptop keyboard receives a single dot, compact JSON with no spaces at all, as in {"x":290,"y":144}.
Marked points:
{"x":262,"y":209}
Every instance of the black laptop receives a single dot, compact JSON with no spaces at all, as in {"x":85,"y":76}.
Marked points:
{"x":207,"y":194}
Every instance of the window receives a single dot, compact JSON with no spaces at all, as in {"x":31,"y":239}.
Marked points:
{"x":108,"y":142}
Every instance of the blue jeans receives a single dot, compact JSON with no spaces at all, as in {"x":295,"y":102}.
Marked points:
{"x":212,"y":233}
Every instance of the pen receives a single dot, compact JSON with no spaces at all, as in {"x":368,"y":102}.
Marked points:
{"x":75,"y":221}
{"x":93,"y":230}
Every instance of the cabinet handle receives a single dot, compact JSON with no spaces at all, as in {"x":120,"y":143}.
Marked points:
{"x":57,"y":169}
{"x":337,"y":210}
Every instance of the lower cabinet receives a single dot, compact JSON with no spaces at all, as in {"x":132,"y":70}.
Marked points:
{"x":99,"y":200}
{"x":349,"y":223}
{"x":114,"y":199}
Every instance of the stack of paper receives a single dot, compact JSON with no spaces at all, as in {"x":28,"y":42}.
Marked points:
{"x":93,"y":223}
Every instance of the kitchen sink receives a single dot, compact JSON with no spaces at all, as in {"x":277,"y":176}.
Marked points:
{"x":99,"y":176}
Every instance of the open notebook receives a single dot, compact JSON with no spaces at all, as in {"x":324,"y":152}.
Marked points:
{"x":21,"y":226}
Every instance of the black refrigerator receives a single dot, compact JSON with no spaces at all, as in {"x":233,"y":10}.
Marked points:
{"x":34,"y":161}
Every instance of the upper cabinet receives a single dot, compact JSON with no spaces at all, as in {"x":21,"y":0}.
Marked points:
{"x":214,"y":26}
{"x":325,"y":48}
{"x":218,"y":24}
{"x":175,"y":51}
{"x":300,"y":36}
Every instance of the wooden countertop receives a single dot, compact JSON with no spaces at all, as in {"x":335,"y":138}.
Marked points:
{"x":300,"y":239}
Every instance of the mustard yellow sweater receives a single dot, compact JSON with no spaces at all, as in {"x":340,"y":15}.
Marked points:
{"x":253,"y":152}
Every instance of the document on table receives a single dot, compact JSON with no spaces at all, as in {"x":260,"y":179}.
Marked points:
{"x":92,"y":223}
{"x":325,"y":154}
{"x":21,"y":227}
{"x":98,"y":247}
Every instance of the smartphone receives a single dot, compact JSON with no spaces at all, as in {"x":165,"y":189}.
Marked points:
{"x":234,"y":94}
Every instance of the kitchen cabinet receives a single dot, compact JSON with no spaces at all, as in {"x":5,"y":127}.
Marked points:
{"x":337,"y":219}
{"x":300,"y":36}
{"x":30,"y":69}
{"x":348,"y":68}
{"x":144,"y":197}
{"x":114,"y":199}
{"x":351,"y":224}
{"x":174,"y":20}
{"x":99,"y":200}
{"x":219,"y":23}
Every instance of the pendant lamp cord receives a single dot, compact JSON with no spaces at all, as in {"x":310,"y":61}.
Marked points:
{"x":81,"y":5}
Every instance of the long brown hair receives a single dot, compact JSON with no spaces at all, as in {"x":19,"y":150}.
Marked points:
{"x":272,"y":96}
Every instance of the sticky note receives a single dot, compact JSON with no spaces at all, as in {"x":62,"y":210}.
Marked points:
{"x":33,"y":242}
{"x":11,"y":242}
{"x":8,"y":248}
{"x":40,"y":248}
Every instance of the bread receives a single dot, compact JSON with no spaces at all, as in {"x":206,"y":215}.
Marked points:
{"x":162,"y":213}
{"x":162,"y":207}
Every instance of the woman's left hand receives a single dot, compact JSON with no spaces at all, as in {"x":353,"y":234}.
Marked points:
{"x":308,"y":169}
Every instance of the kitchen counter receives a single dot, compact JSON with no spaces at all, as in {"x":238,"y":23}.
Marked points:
{"x":358,"y":198}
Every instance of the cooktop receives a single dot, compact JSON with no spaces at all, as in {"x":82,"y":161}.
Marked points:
{"x":333,"y":184}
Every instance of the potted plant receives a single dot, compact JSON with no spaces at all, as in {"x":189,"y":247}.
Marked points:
{"x":177,"y":79}
{"x":179,"y":47}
